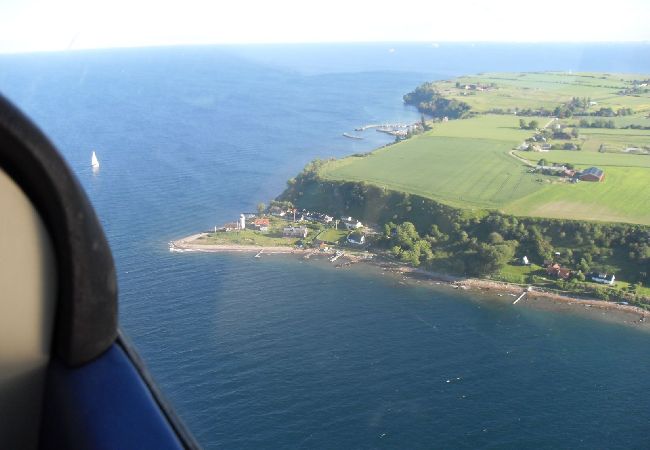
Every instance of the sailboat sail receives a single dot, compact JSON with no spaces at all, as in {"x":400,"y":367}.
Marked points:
{"x":94,"y":161}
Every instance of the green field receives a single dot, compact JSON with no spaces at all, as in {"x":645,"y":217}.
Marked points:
{"x":547,"y":89}
{"x":458,"y":171}
{"x":248,"y":237}
{"x":467,"y":163}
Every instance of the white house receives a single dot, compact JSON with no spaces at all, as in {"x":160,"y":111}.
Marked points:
{"x":295,"y":231}
{"x":357,"y":240}
{"x":352,"y":224}
{"x":603,"y":278}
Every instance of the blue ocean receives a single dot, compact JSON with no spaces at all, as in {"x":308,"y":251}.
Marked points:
{"x":280,"y":352}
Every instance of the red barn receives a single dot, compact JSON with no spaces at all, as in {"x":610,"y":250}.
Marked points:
{"x":592,"y":174}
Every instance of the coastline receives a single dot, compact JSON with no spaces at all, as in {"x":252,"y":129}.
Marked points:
{"x":187,"y":244}
{"x":551,"y":300}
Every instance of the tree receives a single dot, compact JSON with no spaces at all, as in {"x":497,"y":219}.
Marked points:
{"x":533,"y":124}
{"x":575,"y":132}
{"x":495,"y":238}
{"x":522,"y":124}
{"x":488,"y":259}
{"x":261,"y":207}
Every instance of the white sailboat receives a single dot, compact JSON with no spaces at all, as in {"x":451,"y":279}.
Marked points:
{"x":94,"y":162}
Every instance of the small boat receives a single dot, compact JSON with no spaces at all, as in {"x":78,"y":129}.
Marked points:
{"x":259,"y":255}
{"x":94,"y":162}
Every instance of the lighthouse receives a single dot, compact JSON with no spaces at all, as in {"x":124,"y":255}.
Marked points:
{"x":242,"y":222}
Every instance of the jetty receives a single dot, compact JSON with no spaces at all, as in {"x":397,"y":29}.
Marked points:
{"x":522,"y":295}
{"x":336,"y":256}
{"x":365,"y":127}
{"x":351,"y":136}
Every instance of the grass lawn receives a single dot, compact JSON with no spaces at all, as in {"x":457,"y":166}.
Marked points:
{"x":332,"y":235}
{"x":249,"y":237}
{"x":517,"y":273}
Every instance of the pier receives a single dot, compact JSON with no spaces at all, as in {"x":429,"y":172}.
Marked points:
{"x":520,"y":297}
{"x":365,"y":127}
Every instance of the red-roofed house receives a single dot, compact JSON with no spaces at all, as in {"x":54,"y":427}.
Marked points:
{"x":262,"y":224}
{"x":557,"y":271}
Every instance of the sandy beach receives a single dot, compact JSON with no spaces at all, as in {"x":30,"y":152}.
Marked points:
{"x":546,"y":300}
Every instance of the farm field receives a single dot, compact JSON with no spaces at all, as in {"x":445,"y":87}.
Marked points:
{"x":585,"y":159}
{"x":623,"y":196}
{"x":546,"y":89}
{"x":616,"y":140}
{"x":467,"y":163}
{"x":462,"y":172}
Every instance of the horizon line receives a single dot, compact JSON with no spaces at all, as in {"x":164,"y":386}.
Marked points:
{"x":430,"y":43}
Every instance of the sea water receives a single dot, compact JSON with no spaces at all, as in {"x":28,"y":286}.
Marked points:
{"x":279,"y":352}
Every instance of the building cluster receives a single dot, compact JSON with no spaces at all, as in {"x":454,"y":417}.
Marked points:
{"x":292,"y":231}
{"x":296,"y":229}
{"x":557,"y":271}
{"x":476,"y":86}
{"x":594,"y":174}
{"x":300,"y":215}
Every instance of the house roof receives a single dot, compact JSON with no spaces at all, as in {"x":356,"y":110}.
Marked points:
{"x":593,"y":171}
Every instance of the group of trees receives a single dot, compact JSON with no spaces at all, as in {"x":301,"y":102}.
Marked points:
{"x":424,"y":232}
{"x":428,"y":100}
{"x":532,"y":125}
{"x":406,"y":244}
{"x":561,"y":134}
{"x":477,"y":257}
{"x":598,"y":123}
{"x":580,"y":107}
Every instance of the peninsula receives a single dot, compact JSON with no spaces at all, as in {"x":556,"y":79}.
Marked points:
{"x":532,"y":179}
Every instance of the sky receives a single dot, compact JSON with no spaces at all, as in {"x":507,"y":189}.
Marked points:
{"x":55,"y":25}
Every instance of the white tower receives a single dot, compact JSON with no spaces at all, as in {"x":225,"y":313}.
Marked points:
{"x":242,"y":222}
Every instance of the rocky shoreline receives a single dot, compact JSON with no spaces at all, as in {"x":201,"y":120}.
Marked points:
{"x":633,"y":314}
